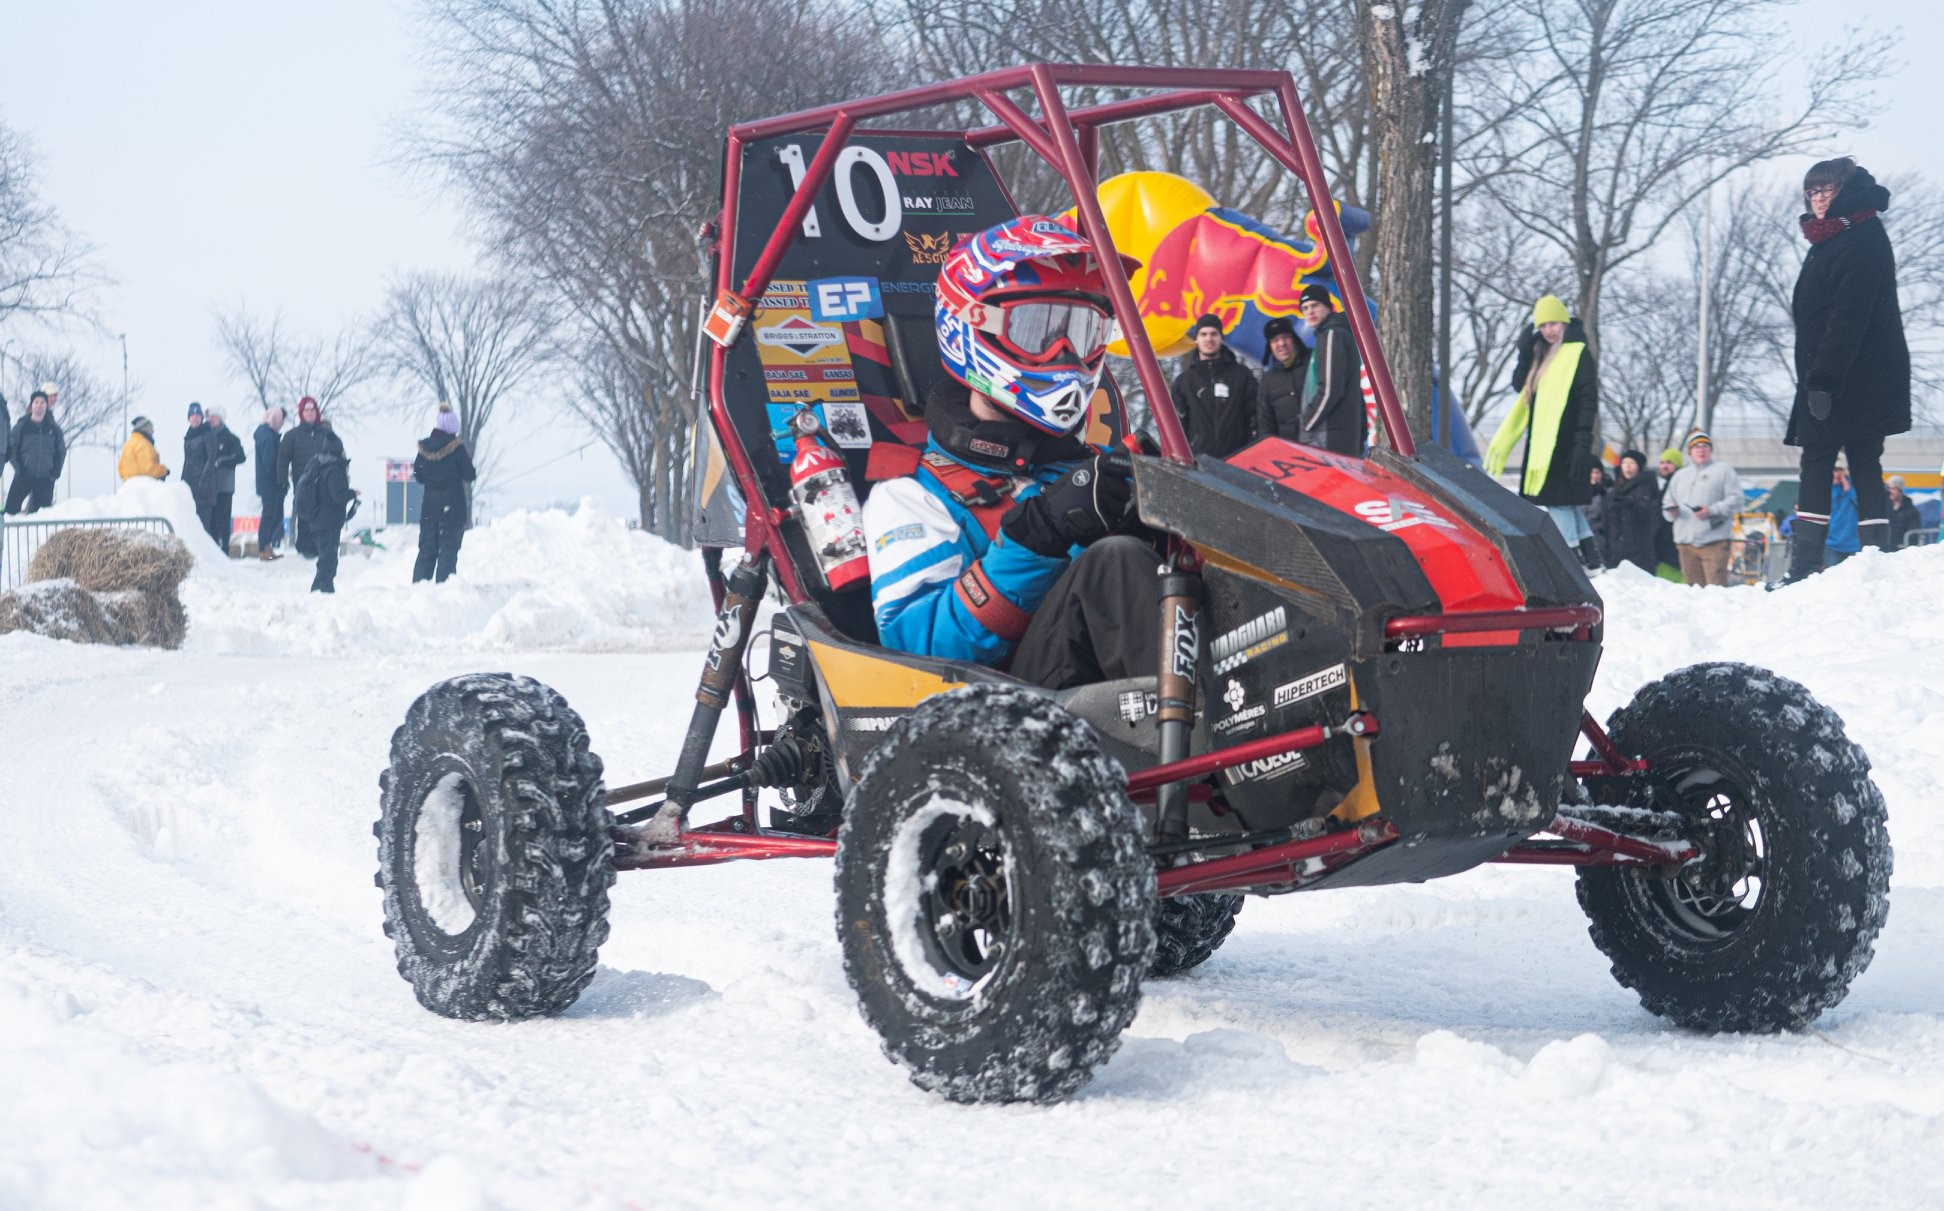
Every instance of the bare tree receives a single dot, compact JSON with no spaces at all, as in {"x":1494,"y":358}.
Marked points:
{"x":1631,"y":109}
{"x":255,"y":349}
{"x":467,"y":342}
{"x":280,"y":367}
{"x":1408,"y":51}
{"x":45,"y":270}
{"x":89,"y":412}
{"x":587,"y":135}
{"x":1495,"y":279}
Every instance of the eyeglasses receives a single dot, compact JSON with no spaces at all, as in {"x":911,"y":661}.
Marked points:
{"x":1037,"y":328}
{"x":1820,"y":191}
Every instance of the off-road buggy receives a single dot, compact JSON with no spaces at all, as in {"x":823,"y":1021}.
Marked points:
{"x":1372,"y":672}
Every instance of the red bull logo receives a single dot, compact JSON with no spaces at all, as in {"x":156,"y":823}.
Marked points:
{"x":1220,"y":262}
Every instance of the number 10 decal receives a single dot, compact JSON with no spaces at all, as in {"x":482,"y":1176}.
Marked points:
{"x":847,"y":161}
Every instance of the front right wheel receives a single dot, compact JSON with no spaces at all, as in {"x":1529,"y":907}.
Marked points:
{"x":995,"y":898}
{"x":1779,"y":914}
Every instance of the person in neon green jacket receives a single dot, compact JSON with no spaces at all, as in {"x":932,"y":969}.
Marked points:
{"x":1553,"y":422}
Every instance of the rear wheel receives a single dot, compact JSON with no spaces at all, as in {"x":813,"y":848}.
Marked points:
{"x":995,"y":898}
{"x":1188,"y":930}
{"x":493,"y":849}
{"x":1769,"y":927}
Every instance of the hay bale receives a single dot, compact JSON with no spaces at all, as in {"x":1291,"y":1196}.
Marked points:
{"x":58,"y":609}
{"x":150,"y":620}
{"x":105,"y":560}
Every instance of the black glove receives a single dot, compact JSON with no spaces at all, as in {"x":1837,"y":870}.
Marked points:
{"x":1082,"y":506}
{"x":1819,"y":404}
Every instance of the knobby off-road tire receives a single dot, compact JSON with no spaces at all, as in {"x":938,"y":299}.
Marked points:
{"x":995,"y":899}
{"x":493,"y":849}
{"x":1188,"y":929}
{"x":1769,"y":930}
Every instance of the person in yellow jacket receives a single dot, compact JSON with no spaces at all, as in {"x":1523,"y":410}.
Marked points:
{"x":138,"y":456}
{"x":1554,"y":420}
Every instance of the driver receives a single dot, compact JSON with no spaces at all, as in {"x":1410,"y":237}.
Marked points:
{"x":1001,"y":547}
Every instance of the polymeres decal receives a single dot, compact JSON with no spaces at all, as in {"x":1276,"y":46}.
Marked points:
{"x":1312,"y":685}
{"x":1241,"y":717}
{"x":870,"y":723}
{"x":1250,"y":640}
{"x":1235,"y":695}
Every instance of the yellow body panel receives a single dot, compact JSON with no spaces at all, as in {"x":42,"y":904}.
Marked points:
{"x":856,"y":680}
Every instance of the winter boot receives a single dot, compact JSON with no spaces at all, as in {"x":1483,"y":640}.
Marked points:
{"x":1875,"y":533}
{"x":1589,"y":553}
{"x":1806,"y":541}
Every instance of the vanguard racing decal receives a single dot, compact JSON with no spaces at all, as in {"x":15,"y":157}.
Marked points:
{"x":1250,"y":640}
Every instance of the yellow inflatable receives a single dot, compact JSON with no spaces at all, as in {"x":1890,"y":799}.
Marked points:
{"x":1141,"y":208}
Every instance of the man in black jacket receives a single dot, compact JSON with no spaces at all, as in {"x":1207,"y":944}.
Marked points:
{"x":1279,"y":397}
{"x":195,"y":461}
{"x":219,"y":479}
{"x":37,"y":451}
{"x":445,"y":467}
{"x":295,"y":452}
{"x":1852,"y":365}
{"x":270,"y":523}
{"x":323,"y":491}
{"x":1215,"y":395}
{"x":1333,"y":404}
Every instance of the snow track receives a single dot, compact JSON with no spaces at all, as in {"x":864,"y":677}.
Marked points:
{"x":198,"y":1009}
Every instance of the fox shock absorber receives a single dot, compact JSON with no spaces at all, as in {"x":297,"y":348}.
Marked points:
{"x":1180,"y":587}
{"x":720,"y":672}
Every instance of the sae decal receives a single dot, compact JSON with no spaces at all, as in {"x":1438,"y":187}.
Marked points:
{"x":841,"y":300}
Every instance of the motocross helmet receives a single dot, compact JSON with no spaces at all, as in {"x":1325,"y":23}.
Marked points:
{"x":1023,"y":318}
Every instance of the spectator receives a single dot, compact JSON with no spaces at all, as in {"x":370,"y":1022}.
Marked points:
{"x":219,"y":479}
{"x":1279,"y":398}
{"x":1215,"y":395}
{"x":195,"y":461}
{"x":1333,"y":405}
{"x":1852,"y":365}
{"x":270,"y":521}
{"x":296,"y":451}
{"x":1903,"y":513}
{"x":37,"y":451}
{"x":138,"y":455}
{"x":1701,"y":500}
{"x":323,"y":492}
{"x":445,"y":467}
{"x":1845,"y":537}
{"x":1632,"y":515}
{"x":1667,"y":559}
{"x":1554,"y":418}
{"x":1600,"y":483}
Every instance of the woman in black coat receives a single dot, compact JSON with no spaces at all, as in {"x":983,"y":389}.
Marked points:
{"x":1632,"y":514}
{"x":1852,"y":366}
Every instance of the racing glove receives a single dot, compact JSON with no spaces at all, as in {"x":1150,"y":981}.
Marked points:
{"x":1084,"y":505}
{"x":1819,"y":404}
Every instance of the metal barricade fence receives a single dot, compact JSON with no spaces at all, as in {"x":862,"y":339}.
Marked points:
{"x":1920,"y":538}
{"x":21,"y":537}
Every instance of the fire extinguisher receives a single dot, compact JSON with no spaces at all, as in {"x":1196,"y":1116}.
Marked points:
{"x":827,"y":505}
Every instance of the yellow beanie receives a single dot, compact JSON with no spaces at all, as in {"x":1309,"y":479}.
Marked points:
{"x":1671,"y":455}
{"x":1549,"y":310}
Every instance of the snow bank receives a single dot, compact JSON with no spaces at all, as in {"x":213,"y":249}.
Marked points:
{"x":532,"y":580}
{"x":145,"y":497}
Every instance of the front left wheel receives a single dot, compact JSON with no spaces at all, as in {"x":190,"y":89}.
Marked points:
{"x":493,"y":849}
{"x":995,"y":897}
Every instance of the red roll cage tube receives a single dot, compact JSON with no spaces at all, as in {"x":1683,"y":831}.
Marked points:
{"x":1068,"y":141}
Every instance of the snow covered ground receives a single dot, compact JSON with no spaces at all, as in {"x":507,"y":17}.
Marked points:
{"x":198,"y":1009}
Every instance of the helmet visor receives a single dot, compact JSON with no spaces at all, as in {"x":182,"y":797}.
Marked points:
{"x":1038,"y":329}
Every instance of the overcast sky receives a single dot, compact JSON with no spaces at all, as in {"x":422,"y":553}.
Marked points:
{"x":219,"y":151}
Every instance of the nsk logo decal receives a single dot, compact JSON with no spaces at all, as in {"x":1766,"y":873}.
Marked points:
{"x":1251,"y":639}
{"x":1312,"y":685}
{"x":1186,"y":640}
{"x":839,"y":300}
{"x":1396,"y":513}
{"x":921,"y":163}
{"x":1264,"y":769}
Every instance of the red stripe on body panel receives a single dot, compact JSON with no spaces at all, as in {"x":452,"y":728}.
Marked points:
{"x":1464,"y":567}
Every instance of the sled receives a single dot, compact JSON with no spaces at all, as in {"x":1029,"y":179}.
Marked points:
{"x":1373,"y":672}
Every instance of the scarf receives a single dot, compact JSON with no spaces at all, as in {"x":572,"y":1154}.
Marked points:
{"x":1817,"y":230}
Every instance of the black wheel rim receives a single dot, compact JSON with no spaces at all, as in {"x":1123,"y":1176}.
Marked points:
{"x":1710,"y":901}
{"x":966,"y":899}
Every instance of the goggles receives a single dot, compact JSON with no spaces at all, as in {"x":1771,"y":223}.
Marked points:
{"x":1038,"y":329}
